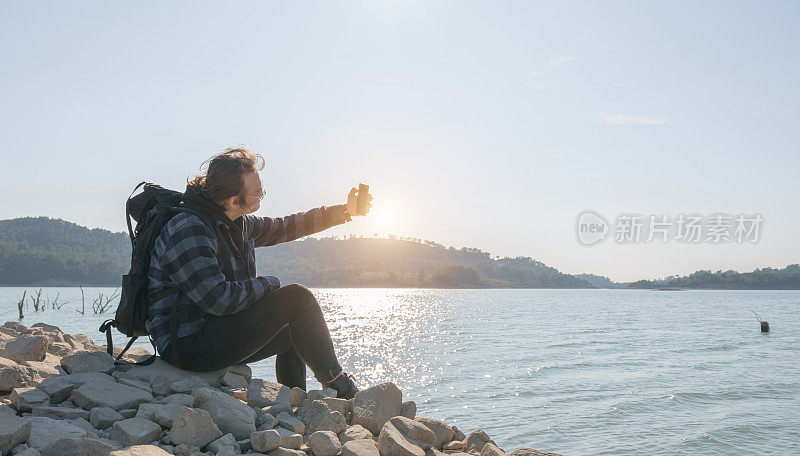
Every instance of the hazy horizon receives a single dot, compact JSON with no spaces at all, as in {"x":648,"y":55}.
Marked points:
{"x":476,"y":125}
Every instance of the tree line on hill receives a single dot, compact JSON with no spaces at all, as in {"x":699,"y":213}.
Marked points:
{"x":52,"y":252}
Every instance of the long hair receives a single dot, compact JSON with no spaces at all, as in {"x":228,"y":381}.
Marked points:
{"x":222,"y":177}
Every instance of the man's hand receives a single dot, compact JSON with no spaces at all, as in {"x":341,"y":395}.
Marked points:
{"x":352,"y":199}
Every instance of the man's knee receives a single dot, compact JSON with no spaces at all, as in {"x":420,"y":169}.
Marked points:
{"x":297,"y":289}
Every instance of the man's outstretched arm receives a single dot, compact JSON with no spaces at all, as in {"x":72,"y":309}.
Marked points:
{"x":267,"y":231}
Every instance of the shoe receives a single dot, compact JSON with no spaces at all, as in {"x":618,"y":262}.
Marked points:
{"x":344,"y":385}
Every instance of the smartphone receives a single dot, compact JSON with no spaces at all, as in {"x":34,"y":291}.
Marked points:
{"x":361,"y":201}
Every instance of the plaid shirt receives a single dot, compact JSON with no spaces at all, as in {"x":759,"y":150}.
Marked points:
{"x":185,"y":254}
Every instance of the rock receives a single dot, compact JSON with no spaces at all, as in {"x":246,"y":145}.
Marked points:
{"x":79,"y":379}
{"x":172,"y":373}
{"x":144,"y":386}
{"x":104,"y":417}
{"x":321,"y":394}
{"x":264,"y":441}
{"x":43,"y":369}
{"x":317,"y":416}
{"x":147,"y":411}
{"x":140,"y":450}
{"x":285,"y":452}
{"x":443,"y":432}
{"x":188,"y":385}
{"x":185,"y":399}
{"x":57,"y":388}
{"x":73,"y":446}
{"x":13,"y":431}
{"x":360,"y":447}
{"x":26,"y":348}
{"x":160,"y":384}
{"x":45,"y":431}
{"x":277,"y":409}
{"x":457,"y":434}
{"x":354,"y":432}
{"x":531,"y":452}
{"x":291,"y":423}
{"x":267,"y":422}
{"x":263,"y":393}
{"x":194,"y":427}
{"x":135,"y":431}
{"x":228,"y":450}
{"x":408,"y":409}
{"x":59,"y":413}
{"x":490,"y":449}
{"x":23,"y":398}
{"x":401,"y":436}
{"x":342,"y":406}
{"x":128,"y":413}
{"x":324,"y":443}
{"x":238,"y":393}
{"x":297,"y":397}
{"x":476,"y":440}
{"x":103,"y":393}
{"x":166,"y":414}
{"x":455,"y":445}
{"x":85,"y":362}
{"x":373,"y":406}
{"x":13,"y":375}
{"x":230,"y":414}
{"x":244,"y":445}
{"x":85,"y":425}
{"x":234,"y":380}
{"x":226,"y":440}
{"x":289,"y":439}
{"x":60,"y":349}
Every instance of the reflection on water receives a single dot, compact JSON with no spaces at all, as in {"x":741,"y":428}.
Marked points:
{"x":622,"y":372}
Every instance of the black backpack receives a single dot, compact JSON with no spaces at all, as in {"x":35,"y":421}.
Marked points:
{"x":151,"y":210}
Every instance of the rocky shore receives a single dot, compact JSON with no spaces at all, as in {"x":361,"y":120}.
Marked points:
{"x":62,"y":395}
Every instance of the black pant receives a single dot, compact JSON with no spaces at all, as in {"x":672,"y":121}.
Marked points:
{"x":287,"y":322}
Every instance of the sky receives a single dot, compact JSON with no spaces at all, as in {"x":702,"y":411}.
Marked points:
{"x":491,"y":125}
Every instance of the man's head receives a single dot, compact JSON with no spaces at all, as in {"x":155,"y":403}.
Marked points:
{"x":231,"y":180}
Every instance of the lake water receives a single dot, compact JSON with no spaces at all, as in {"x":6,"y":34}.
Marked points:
{"x":579,"y":372}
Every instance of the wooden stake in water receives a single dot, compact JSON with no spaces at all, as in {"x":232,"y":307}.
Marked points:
{"x":764,"y":324}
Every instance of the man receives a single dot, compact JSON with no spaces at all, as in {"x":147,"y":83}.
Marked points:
{"x":224,"y":313}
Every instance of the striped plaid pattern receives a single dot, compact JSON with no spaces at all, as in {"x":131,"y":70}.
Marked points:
{"x":185,"y":255}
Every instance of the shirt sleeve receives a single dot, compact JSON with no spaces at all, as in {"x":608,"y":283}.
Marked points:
{"x":267,"y":231}
{"x":190,"y":261}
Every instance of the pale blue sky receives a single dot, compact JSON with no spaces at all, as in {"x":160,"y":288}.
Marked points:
{"x":480,"y":124}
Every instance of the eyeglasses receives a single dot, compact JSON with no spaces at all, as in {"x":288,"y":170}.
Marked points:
{"x":261,"y":193}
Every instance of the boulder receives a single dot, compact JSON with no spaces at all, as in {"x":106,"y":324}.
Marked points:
{"x":263,"y":393}
{"x":291,"y":423}
{"x":401,"y":436}
{"x":72,"y":446}
{"x":476,"y":440}
{"x":234,"y":380}
{"x":230,"y":414}
{"x":80,"y":379}
{"x":179,"y":398}
{"x":59,"y":413}
{"x":443,"y":432}
{"x":286,"y":452}
{"x":173,"y":374}
{"x":490,"y":449}
{"x":57,"y":388}
{"x":45,"y":431}
{"x":135,"y":431}
{"x":531,"y":452}
{"x":264,"y":441}
{"x":324,"y":443}
{"x":194,"y":427}
{"x":140,"y":450}
{"x":297,"y":397}
{"x":317,"y":416}
{"x":455,"y":445}
{"x":104,"y":417}
{"x":86,"y":361}
{"x":166,"y":413}
{"x":144,"y":386}
{"x":457,"y":434}
{"x":26,"y":348}
{"x":13,"y":431}
{"x":276,"y":409}
{"x":103,"y":393}
{"x":373,"y":406}
{"x":23,"y":398}
{"x":13,"y":375}
{"x":227,"y":440}
{"x":267,"y":421}
{"x":321,"y":394}
{"x":289,"y":439}
{"x":342,"y":406}
{"x":354,"y":432}
{"x":360,"y":447}
{"x":408,"y":409}
{"x":188,"y":385}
